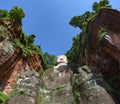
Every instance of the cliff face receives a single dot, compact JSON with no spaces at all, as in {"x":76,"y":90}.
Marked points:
{"x":104,"y":51}
{"x":12,"y":60}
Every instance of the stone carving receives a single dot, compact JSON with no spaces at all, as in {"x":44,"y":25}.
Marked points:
{"x":61,"y":59}
{"x":61,"y":64}
{"x":57,"y":83}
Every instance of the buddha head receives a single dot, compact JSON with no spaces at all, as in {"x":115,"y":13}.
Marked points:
{"x":61,"y":59}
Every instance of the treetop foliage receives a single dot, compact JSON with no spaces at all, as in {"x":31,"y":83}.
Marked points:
{"x":79,"y":21}
{"x":3,"y":13}
{"x":15,"y":13}
{"x":82,"y":20}
{"x":102,"y":4}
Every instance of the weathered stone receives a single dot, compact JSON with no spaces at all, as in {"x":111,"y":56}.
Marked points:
{"x":89,"y":88}
{"x":12,"y":61}
{"x":27,"y":88}
{"x":29,"y":82}
{"x":22,"y":99}
{"x":104,"y":52}
{"x":107,"y":54}
{"x":57,"y":87}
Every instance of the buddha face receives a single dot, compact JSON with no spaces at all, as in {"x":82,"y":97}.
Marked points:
{"x":61,"y":59}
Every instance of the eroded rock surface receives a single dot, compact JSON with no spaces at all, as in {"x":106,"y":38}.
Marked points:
{"x":27,"y":88}
{"x":105,"y":55}
{"x":103,"y":49}
{"x":57,"y":87}
{"x":12,"y":59}
{"x":90,"y":88}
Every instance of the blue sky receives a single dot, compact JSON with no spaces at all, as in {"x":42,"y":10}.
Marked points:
{"x":49,"y":20}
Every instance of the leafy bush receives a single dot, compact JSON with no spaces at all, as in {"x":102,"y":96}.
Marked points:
{"x":49,"y":60}
{"x":22,"y":92}
{"x":27,"y":44}
{"x":74,"y":50}
{"x":30,"y":39}
{"x":3,"y":13}
{"x":102,"y":4}
{"x":76,"y":86}
{"x":17,"y":13}
{"x":101,"y":34}
{"x":3,"y":97}
{"x":17,"y":43}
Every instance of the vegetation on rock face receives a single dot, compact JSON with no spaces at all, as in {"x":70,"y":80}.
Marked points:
{"x":3,"y":98}
{"x":4,"y":33}
{"x":75,"y":85}
{"x":74,"y":51}
{"x":50,"y":60}
{"x":27,"y":46}
{"x":24,"y":42}
{"x":15,"y":13}
{"x":101,"y":34}
{"x":102,"y":4}
{"x":82,"y":22}
{"x":4,"y":14}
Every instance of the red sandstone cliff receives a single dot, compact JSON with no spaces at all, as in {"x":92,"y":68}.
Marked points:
{"x":12,"y":61}
{"x":105,"y":55}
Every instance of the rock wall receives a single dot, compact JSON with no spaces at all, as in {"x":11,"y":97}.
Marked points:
{"x":89,"y":87}
{"x":56,"y":88}
{"x":104,"y":52}
{"x":13,"y":26}
{"x":27,"y":88}
{"x":106,"y":55}
{"x":12,"y":61}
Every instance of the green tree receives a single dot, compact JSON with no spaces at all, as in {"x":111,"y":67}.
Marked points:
{"x":50,"y":60}
{"x":31,"y":39}
{"x":3,"y":13}
{"x":99,"y":5}
{"x":74,"y":50}
{"x":17,"y":13}
{"x":81,"y":21}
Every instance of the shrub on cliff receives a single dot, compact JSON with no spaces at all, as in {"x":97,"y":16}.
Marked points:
{"x":50,"y":60}
{"x":3,"y":98}
{"x":17,"y":13}
{"x":4,"y":13}
{"x":22,"y":41}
